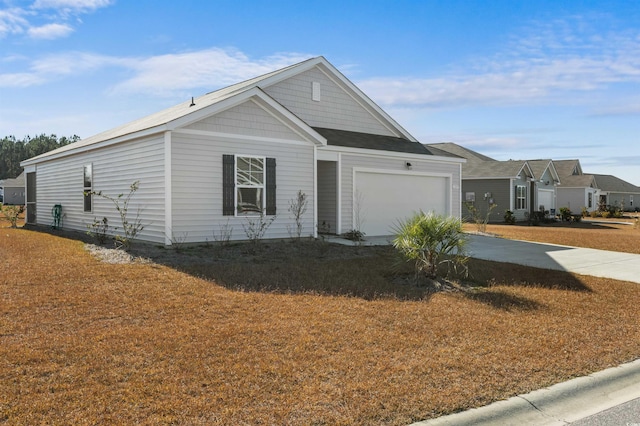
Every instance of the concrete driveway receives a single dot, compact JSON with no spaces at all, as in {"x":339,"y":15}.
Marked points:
{"x":598,"y":263}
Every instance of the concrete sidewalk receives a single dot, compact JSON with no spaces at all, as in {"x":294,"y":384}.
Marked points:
{"x":559,"y":404}
{"x":597,"y":263}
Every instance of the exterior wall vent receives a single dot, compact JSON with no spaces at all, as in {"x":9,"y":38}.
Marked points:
{"x":315,"y":91}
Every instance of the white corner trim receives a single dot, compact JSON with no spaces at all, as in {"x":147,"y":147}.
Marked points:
{"x":168,"y":199}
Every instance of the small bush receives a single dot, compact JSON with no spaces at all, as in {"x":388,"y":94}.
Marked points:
{"x":429,"y":240}
{"x":12,"y":213}
{"x":606,"y":214}
{"x":509,"y":217}
{"x":565,"y":214}
{"x":99,"y":229}
{"x":354,"y":235}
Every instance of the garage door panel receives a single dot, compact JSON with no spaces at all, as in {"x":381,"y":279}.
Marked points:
{"x":386,"y":198}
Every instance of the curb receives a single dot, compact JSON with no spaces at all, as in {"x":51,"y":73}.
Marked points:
{"x":559,"y":404}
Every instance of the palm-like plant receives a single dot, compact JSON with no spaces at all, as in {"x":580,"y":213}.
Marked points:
{"x":430,"y":240}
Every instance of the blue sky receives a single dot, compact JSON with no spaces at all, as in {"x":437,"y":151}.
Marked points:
{"x":511,"y":79}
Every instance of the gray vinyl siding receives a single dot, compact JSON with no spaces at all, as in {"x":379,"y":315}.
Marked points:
{"x":500,"y":190}
{"x":351,"y":161}
{"x":245,"y":119}
{"x":574,"y":199}
{"x":335,"y":110}
{"x":115,"y":168}
{"x":197,"y":185}
{"x":327,"y":194}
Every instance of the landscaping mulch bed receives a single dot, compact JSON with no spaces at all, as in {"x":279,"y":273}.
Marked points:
{"x":285,"y":333}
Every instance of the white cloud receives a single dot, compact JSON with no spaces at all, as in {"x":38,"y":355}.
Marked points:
{"x":71,"y":5}
{"x":211,"y":68}
{"x":50,"y":31}
{"x":163,"y":75}
{"x":558,"y":61}
{"x":16,"y":20}
{"x":12,"y":21}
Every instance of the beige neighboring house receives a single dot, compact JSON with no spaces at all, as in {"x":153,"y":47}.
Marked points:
{"x":224,"y":158}
{"x":13,"y":190}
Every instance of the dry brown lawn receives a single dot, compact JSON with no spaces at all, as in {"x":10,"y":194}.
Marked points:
{"x":286,"y":339}
{"x":603,"y":235}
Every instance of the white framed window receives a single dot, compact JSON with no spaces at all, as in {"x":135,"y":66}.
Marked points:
{"x":250,"y":184}
{"x":521,"y":197}
{"x":590,"y":200}
{"x":88,"y":188}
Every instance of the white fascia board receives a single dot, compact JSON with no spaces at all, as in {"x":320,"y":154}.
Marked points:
{"x":393,"y":154}
{"x":261,"y":99}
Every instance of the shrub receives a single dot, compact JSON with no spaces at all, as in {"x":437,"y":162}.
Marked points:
{"x":509,"y":217}
{"x":99,"y":229}
{"x":606,"y":214}
{"x":477,"y":217}
{"x":354,"y":235}
{"x":595,"y":214}
{"x":129,"y":228}
{"x":565,"y":214}
{"x":429,"y":240}
{"x":256,"y":227}
{"x":11,"y":213}
{"x":297,"y":208}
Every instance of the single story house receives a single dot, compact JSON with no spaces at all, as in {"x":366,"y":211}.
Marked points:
{"x":546,"y":179}
{"x":13,"y":190}
{"x":218,"y":161}
{"x":617,"y":193}
{"x":510,"y":185}
{"x":576,"y":190}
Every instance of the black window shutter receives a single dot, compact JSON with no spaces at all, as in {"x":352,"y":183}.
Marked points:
{"x":228,"y":185}
{"x":271,"y":186}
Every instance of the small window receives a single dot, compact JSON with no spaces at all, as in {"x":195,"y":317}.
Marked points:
{"x":250,"y":177}
{"x":521,"y":197}
{"x":88,"y":188}
{"x":590,"y":201}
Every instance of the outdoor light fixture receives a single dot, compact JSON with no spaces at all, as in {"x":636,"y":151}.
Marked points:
{"x":408,"y":165}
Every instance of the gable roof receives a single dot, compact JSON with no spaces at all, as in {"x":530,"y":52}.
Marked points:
{"x":18,"y":182}
{"x":212,"y":102}
{"x":539,"y":167}
{"x":611,"y":183}
{"x":452,"y":148}
{"x":567,"y":167}
{"x":577,"y":181}
{"x":496,"y":170}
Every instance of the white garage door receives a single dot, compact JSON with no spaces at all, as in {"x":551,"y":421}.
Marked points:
{"x":386,"y":198}
{"x":545,"y":198}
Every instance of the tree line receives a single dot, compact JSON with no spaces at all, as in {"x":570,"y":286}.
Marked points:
{"x":13,"y":151}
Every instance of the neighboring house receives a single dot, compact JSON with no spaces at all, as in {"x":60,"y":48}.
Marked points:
{"x":13,"y":190}
{"x":216,"y":162}
{"x":617,"y":193}
{"x":576,"y":190}
{"x":546,"y":179}
{"x":510,"y":185}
